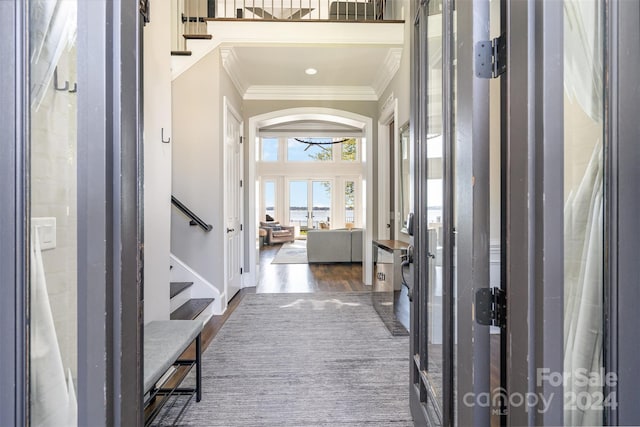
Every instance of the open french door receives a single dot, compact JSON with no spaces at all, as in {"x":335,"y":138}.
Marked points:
{"x":456,"y":337}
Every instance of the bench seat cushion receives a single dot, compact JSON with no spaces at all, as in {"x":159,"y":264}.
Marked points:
{"x":164,"y":342}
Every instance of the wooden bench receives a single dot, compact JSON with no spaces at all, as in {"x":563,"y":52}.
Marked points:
{"x":164,"y":342}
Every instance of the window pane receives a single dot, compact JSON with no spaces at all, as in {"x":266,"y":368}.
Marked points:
{"x":583,"y":206}
{"x":269,"y":150}
{"x":270,"y":198}
{"x":350,"y":150}
{"x":54,"y":244}
{"x":321,"y":209}
{"x":298,"y":202}
{"x":435,"y":202}
{"x":349,"y":203}
{"x":301,"y":152}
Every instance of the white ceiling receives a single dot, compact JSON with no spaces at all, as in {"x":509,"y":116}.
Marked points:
{"x":344,"y":72}
{"x":336,"y":65}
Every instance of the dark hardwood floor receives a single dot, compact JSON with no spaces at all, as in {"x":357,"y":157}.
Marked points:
{"x":288,"y":278}
{"x":294,"y":278}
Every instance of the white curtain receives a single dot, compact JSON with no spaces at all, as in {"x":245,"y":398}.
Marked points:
{"x":583,"y":54}
{"x":583,"y":286}
{"x":53,"y":399}
{"x":52,"y":26}
{"x":583,"y":234}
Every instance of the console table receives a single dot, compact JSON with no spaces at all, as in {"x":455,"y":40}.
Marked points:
{"x":388,"y":295}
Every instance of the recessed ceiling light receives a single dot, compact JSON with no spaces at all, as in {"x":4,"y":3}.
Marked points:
{"x":311,"y":71}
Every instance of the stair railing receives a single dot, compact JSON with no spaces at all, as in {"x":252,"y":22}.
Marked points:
{"x":193,"y":218}
{"x":188,"y":17}
{"x":191,"y":15}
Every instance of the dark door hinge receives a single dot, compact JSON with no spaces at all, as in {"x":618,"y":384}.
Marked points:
{"x":491,"y":307}
{"x":241,"y":139}
{"x":241,"y":270}
{"x":240,"y":183}
{"x":241,"y":227}
{"x":491,"y":57}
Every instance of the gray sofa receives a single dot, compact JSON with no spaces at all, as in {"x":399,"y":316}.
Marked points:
{"x":342,"y":245}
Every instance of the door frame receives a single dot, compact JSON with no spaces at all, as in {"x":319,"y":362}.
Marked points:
{"x":229,"y":109}
{"x":388,"y":115}
{"x":366,"y":152}
{"x":622,"y":128}
{"x":533,"y":200}
{"x":14,"y":214}
{"x":109,"y":224}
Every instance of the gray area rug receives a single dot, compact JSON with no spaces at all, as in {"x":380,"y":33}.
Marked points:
{"x":304,"y":360}
{"x":292,"y":253}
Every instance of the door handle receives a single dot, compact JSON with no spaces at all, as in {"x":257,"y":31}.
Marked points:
{"x":407,"y":259}
{"x":230,"y":230}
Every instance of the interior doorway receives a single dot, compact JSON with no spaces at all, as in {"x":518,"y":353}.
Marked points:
{"x":234,"y":188}
{"x":344,"y":124}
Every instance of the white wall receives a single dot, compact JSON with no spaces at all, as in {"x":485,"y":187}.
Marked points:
{"x":197,"y":103}
{"x":197,"y":171}
{"x":400,"y":84}
{"x":399,"y":89}
{"x":157,"y":162}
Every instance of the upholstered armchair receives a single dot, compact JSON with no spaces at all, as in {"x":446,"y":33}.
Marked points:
{"x":277,"y":233}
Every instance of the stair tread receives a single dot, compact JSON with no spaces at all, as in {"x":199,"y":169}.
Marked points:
{"x":176,"y":287}
{"x":191,"y":309}
{"x":197,"y":36}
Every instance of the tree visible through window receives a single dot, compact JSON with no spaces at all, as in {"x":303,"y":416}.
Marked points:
{"x":350,"y":150}
{"x":301,"y":152}
{"x":349,"y":202}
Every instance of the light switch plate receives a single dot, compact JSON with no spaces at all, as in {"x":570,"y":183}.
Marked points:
{"x":46,"y":231}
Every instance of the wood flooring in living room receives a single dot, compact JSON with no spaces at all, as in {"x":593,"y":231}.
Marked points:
{"x":294,"y":278}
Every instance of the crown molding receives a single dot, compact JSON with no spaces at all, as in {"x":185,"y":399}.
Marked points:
{"x":319,"y":93}
{"x":389,"y":67}
{"x":231,"y":64}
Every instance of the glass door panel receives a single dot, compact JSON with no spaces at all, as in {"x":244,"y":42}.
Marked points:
{"x":349,"y":203}
{"x":321,"y":204}
{"x":583,"y":210}
{"x":269,"y":198}
{"x":298,"y":204}
{"x":434,"y":206}
{"x":54,"y":242}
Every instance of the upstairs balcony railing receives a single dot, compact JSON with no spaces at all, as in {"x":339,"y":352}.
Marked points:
{"x":191,"y":15}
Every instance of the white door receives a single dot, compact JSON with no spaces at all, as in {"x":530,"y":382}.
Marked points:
{"x":233,"y":187}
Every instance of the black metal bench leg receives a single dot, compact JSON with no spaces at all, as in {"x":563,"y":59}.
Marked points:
{"x":198,"y":369}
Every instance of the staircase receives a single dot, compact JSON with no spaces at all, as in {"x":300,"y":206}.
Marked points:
{"x":191,"y":295}
{"x":183,"y":307}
